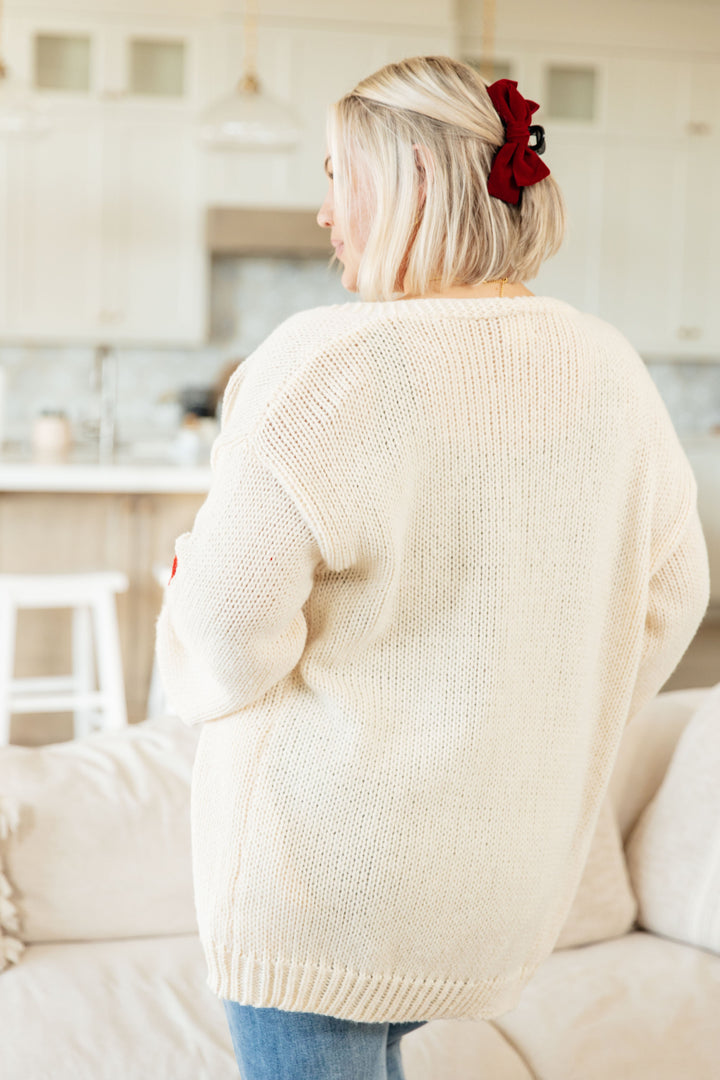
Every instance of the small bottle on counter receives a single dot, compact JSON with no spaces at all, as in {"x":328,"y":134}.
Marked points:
{"x":194,"y":439}
{"x":187,"y":445}
{"x":51,"y":434}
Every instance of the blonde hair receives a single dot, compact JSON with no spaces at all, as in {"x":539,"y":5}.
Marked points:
{"x":461,"y":235}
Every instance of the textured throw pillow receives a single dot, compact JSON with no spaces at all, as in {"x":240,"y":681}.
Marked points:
{"x":673,"y":853}
{"x":604,"y":905}
{"x":11,"y":947}
{"x":96,"y":836}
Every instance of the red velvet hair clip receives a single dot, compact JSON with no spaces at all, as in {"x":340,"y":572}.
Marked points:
{"x":516,"y":163}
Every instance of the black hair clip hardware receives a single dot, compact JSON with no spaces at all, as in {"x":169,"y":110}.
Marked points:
{"x":539,"y":133}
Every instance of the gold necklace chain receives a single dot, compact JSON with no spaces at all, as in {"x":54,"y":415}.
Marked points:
{"x":496,"y":281}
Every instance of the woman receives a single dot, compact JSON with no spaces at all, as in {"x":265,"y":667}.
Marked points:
{"x":450,"y":548}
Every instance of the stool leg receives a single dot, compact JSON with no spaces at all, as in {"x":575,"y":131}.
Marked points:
{"x":109,"y":656}
{"x":157,"y":704}
{"x":83,"y":668}
{"x":8,"y":624}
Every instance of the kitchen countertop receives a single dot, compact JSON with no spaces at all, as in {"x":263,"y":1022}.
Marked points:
{"x":137,"y":468}
{"x":151,"y":467}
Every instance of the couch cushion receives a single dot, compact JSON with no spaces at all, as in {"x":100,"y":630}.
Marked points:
{"x":636,"y":1007}
{"x":113,"y":1010}
{"x":132,"y":1010}
{"x":674,"y":851}
{"x":102,"y":844}
{"x":460,"y":1050}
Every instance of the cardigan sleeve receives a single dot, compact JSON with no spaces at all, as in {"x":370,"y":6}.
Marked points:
{"x":232,"y":622}
{"x":678,"y":595}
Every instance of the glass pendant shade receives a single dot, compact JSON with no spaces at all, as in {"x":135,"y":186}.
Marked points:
{"x":248,"y":119}
{"x":19,"y":115}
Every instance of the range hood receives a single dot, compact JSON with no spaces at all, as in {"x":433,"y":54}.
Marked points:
{"x":234,"y":230}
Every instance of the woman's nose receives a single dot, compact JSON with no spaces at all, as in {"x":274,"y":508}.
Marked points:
{"x":324,"y":215}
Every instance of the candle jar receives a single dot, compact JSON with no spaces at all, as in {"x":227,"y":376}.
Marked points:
{"x":51,"y":433}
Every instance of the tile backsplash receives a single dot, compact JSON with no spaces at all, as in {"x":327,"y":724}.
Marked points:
{"x":249,"y":296}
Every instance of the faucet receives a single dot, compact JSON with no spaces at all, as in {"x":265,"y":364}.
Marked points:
{"x":105,"y":371}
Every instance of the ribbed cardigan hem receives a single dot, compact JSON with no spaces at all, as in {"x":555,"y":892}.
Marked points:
{"x":354,"y":995}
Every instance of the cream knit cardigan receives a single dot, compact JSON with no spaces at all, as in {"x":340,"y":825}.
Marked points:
{"x":450,"y":548}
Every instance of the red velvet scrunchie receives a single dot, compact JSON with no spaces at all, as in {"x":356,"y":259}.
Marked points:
{"x":516,"y":164}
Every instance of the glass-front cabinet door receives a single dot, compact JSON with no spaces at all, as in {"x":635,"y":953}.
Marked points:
{"x":104,"y":214}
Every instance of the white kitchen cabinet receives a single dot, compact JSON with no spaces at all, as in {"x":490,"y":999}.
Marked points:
{"x":642,"y":239}
{"x":623,"y":186}
{"x":575,"y":159}
{"x":103,"y":223}
{"x":104,"y":234}
{"x":105,"y":214}
{"x":646,"y":96}
{"x":640,"y":248}
{"x":155,"y":264}
{"x":660,"y":277}
{"x":108,"y":241}
{"x":698,"y":328}
{"x":7,"y":270}
{"x":52,"y":249}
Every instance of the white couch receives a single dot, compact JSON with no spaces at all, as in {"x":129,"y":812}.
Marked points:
{"x":103,"y":976}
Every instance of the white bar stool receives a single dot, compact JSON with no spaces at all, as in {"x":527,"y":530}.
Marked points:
{"x":91,"y":594}
{"x":157,"y":702}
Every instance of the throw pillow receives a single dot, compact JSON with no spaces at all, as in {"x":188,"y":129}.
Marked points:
{"x":101,"y":844}
{"x":673,"y":853}
{"x":11,"y":947}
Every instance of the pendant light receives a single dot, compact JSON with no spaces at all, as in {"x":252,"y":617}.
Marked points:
{"x":19,"y":115}
{"x":248,"y":118}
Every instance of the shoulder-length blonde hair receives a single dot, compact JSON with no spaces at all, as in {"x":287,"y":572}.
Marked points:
{"x":461,"y":235}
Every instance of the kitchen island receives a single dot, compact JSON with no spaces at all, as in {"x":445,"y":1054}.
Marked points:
{"x":138,"y":468}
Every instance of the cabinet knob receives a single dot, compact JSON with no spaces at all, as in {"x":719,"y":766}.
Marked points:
{"x":689,"y":333}
{"x":698,"y":127}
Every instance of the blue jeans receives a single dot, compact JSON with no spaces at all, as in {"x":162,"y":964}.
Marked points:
{"x":274,"y":1044}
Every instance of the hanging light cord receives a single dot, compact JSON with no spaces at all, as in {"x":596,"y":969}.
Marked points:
{"x":488,"y":40}
{"x":3,"y":68}
{"x":249,"y":82}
